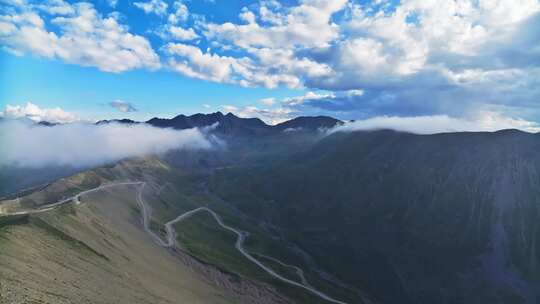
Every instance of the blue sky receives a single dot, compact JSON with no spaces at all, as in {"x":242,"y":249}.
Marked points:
{"x":469,"y":60}
{"x":86,"y":91}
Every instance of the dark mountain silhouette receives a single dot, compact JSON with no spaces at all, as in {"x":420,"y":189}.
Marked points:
{"x":231,"y":124}
{"x":120,"y":121}
{"x":309,"y":123}
{"x":179,"y":122}
{"x":46,"y":123}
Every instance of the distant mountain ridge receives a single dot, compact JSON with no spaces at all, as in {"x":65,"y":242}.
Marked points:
{"x":121,"y":121}
{"x":231,"y":124}
{"x":309,"y":123}
{"x":227,"y":124}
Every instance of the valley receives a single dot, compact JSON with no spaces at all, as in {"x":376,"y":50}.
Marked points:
{"x":164,"y":237}
{"x":289,"y":224}
{"x":270,"y":152}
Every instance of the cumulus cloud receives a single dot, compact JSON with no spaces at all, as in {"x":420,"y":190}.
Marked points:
{"x":307,"y":25}
{"x":269,"y":68}
{"x":180,"y":14}
{"x":193,"y":62}
{"x":122,"y":106}
{"x":383,"y":50}
{"x":270,"y":59}
{"x":80,"y":145}
{"x":158,"y":7}
{"x":483,"y":121}
{"x":56,"y":7}
{"x":37,"y":114}
{"x":411,"y":58}
{"x":182,"y":34}
{"x":407,"y":57}
{"x":84,"y":37}
{"x":452,"y":59}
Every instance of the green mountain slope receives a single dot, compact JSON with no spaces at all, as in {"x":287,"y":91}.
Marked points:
{"x":367,"y":217}
{"x":97,"y":251}
{"x":447,"y":218}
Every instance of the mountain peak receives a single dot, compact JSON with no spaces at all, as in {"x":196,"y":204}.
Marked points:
{"x":120,"y":121}
{"x":309,"y":123}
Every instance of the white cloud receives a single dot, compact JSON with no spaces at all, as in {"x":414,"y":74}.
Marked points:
{"x":56,"y":7}
{"x":247,"y":16}
{"x":171,"y":30}
{"x":307,"y":24}
{"x":77,"y":144}
{"x":270,"y":116}
{"x":309,"y":96}
{"x":268,"y":101}
{"x":423,"y":57}
{"x":367,"y":45}
{"x":182,"y":34}
{"x":191,"y":61}
{"x":229,"y":108}
{"x":381,"y":47}
{"x":122,"y":106}
{"x":37,"y":114}
{"x":412,"y":58}
{"x":180,"y":14}
{"x":270,"y":59}
{"x":270,"y":68}
{"x":112,"y":3}
{"x":158,"y":7}
{"x":483,"y":121}
{"x":85,"y":38}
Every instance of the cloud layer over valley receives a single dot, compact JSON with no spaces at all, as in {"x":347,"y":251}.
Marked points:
{"x":29,"y":145}
{"x":483,"y":121}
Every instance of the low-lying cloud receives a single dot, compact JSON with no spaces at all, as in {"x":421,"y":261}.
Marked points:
{"x":484,"y":121}
{"x":28,"y":145}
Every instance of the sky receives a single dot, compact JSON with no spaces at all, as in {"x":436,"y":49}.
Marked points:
{"x":466,"y":62}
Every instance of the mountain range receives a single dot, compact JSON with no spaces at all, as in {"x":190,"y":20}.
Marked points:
{"x":230,"y":124}
{"x":375,"y":217}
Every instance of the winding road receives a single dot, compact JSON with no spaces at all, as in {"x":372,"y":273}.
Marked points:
{"x":75,"y":199}
{"x":239,"y":245}
{"x":298,"y":270}
{"x":170,"y":241}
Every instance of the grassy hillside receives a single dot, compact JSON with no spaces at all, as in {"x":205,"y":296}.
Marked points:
{"x":202,"y":238}
{"x":98,"y":252}
{"x":370,"y":217}
{"x":94,"y":253}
